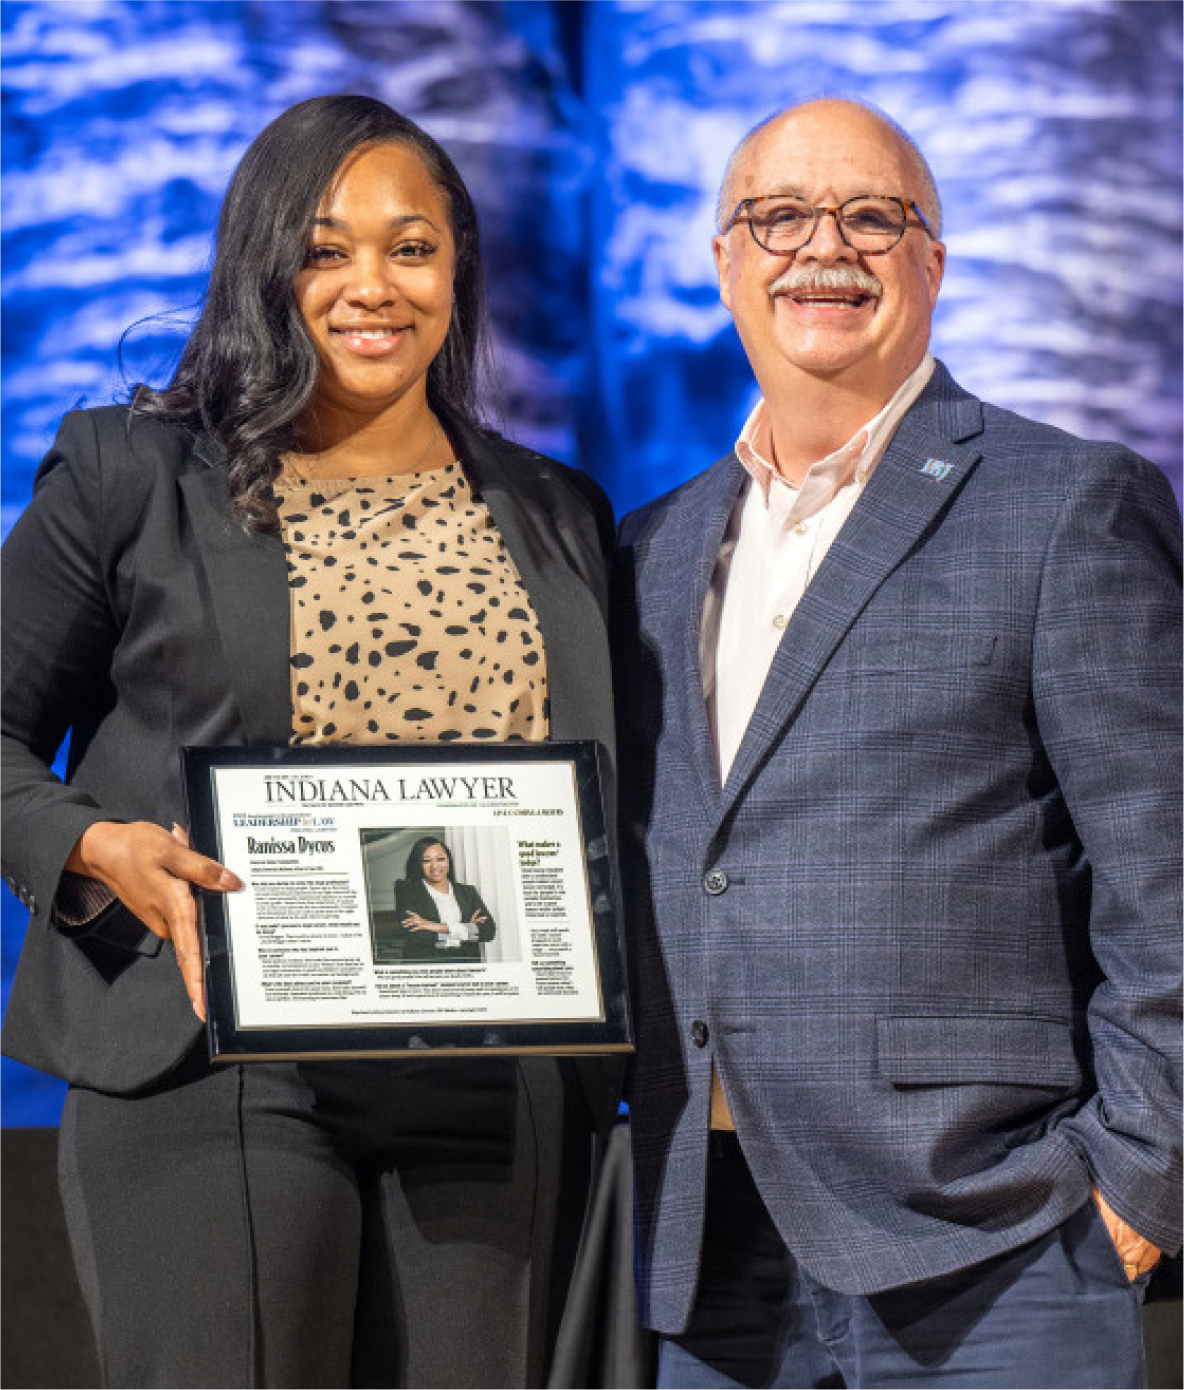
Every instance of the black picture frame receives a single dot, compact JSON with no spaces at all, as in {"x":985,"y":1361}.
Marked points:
{"x":230,"y":1040}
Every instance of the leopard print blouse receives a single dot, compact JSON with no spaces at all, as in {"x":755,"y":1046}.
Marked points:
{"x":409,"y":619}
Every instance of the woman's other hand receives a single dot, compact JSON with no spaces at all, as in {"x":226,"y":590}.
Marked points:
{"x":414,"y":922}
{"x":153,"y":872}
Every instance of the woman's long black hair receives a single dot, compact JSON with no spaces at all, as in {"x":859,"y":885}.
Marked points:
{"x":416,"y":853}
{"x":249,"y":369}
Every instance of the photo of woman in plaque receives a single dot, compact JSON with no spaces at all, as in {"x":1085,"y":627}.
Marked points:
{"x":439,"y":919}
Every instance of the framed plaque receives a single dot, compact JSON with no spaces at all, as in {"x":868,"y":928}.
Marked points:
{"x":407,"y":901}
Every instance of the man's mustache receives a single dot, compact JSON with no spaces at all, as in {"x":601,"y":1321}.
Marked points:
{"x":804,"y":279}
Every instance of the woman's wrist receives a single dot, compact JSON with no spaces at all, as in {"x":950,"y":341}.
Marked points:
{"x":87,"y":854}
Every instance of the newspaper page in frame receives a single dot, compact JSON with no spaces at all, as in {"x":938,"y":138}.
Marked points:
{"x":411,"y":899}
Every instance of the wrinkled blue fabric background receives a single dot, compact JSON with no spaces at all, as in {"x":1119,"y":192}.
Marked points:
{"x":592,"y":135}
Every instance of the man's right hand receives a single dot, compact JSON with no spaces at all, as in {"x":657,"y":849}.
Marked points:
{"x":150,"y":871}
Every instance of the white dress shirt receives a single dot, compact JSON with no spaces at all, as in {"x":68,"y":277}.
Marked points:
{"x":448,"y":910}
{"x":776,"y":538}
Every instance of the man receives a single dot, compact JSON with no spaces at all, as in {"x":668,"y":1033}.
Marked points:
{"x":900,"y":689}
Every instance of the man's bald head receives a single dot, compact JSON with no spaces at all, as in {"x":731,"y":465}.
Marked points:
{"x":924,"y":189}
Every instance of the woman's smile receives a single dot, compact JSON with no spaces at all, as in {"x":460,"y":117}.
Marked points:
{"x":369,"y":342}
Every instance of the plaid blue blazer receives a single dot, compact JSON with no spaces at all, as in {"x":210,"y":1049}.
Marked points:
{"x":929,"y":929}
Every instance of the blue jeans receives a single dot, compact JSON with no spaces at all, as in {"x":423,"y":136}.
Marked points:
{"x":1057,"y":1312}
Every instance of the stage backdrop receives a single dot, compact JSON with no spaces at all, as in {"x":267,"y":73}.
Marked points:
{"x":593,"y":136}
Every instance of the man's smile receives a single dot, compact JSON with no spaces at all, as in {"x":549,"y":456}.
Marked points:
{"x":835,"y":287}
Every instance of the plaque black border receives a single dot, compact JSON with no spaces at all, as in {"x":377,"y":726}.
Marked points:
{"x":230,"y":1043}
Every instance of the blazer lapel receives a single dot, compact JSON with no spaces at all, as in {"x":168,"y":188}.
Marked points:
{"x":531,"y":524}
{"x":702,"y":527}
{"x":248,"y":585}
{"x":923,"y":468}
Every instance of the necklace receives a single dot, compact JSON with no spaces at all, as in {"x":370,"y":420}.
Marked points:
{"x":298,"y":469}
{"x":413,"y":467}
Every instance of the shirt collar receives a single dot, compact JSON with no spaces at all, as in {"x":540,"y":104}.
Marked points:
{"x":854,"y":460}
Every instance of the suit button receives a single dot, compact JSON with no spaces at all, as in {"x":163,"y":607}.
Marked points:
{"x":699,"y":1033}
{"x":715,"y":882}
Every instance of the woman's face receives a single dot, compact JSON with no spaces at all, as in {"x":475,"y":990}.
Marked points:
{"x":375,"y":292}
{"x":435,"y":865}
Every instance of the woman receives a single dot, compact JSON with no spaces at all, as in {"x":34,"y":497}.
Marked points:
{"x":439,"y":920}
{"x":305,"y":538}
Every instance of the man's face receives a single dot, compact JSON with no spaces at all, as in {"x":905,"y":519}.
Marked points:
{"x":864,"y":343}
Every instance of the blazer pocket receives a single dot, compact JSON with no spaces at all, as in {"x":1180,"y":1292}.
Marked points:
{"x":115,"y":927}
{"x":935,"y":651}
{"x":915,"y":1050}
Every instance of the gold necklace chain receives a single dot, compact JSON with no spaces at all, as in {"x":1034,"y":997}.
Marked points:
{"x":292,"y":466}
{"x":412,"y":467}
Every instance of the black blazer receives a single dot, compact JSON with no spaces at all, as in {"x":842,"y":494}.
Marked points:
{"x":138,"y":616}
{"x":411,"y":895}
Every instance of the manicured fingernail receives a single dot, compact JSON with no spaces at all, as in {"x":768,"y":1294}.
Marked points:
{"x":228,"y":880}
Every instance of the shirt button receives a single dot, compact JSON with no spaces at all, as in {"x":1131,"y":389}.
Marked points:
{"x":780,"y":621}
{"x":699,"y":1033}
{"x":715,"y":882}
{"x":801,"y":528}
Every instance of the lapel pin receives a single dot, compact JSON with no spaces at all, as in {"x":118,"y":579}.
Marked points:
{"x":937,"y":468}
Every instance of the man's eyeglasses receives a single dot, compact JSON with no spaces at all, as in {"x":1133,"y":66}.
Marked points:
{"x":870,"y":225}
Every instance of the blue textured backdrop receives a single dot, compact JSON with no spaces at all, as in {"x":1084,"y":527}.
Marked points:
{"x":1054,"y":134}
{"x":592,"y":135}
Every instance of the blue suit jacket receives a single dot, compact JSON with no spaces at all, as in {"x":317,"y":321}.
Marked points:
{"x":931,"y":922}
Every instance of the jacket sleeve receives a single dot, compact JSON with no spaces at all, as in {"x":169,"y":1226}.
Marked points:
{"x":59,"y":636}
{"x":1106,"y":684}
{"x":406,"y":900}
{"x":473,"y":902}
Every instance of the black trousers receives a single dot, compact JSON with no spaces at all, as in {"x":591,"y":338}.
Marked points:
{"x":331,"y":1224}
